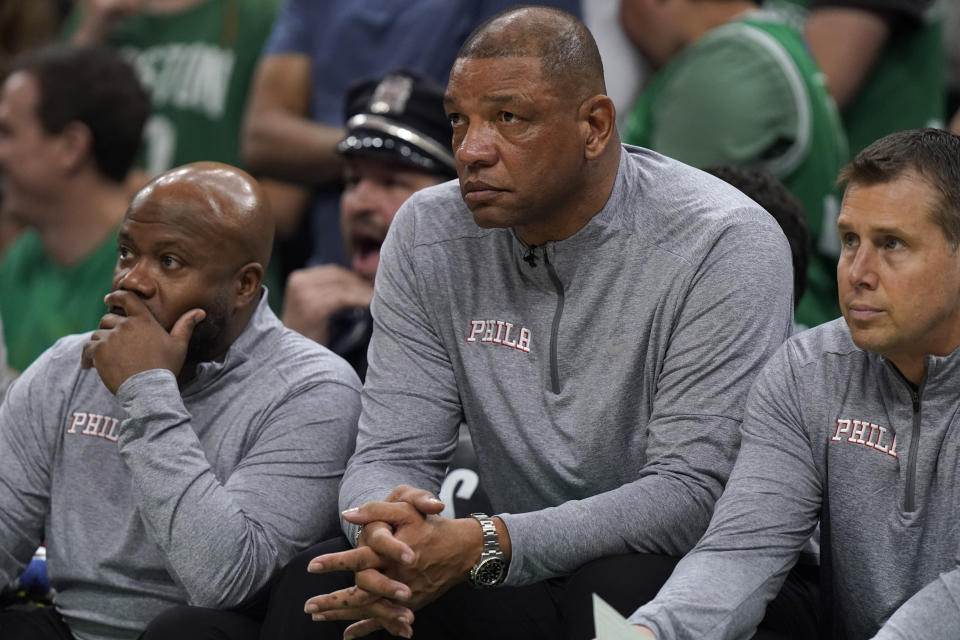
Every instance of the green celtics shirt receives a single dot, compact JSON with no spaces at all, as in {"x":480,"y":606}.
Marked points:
{"x":197,"y":66}
{"x":748,"y":94}
{"x":905,"y":86}
{"x":40,"y":301}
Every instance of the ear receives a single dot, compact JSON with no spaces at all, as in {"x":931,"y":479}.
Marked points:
{"x":598,"y":116}
{"x":76,"y":146}
{"x":247,"y":284}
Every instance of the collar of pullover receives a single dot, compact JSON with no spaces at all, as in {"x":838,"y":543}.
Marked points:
{"x":261,"y":320}
{"x":939,"y":372}
{"x":603,"y":225}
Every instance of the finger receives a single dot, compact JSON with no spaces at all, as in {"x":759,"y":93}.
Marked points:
{"x":110,"y":320}
{"x":379,"y":537}
{"x":424,"y":501}
{"x":393,"y":513}
{"x":366,"y":627}
{"x":375,"y":582}
{"x":185,"y":324}
{"x":125,"y":303}
{"x":88,"y":353}
{"x":385,"y":612}
{"x":357,"y":559}
{"x":349,"y":598}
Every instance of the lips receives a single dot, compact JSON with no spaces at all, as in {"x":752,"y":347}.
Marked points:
{"x":365,"y":249}
{"x":477,"y":191}
{"x":861,"y":311}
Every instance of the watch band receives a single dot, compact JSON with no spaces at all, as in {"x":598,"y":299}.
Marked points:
{"x":490,"y":570}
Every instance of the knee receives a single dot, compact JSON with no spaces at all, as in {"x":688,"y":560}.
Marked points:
{"x":179,"y":623}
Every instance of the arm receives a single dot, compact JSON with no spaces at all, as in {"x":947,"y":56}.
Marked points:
{"x":97,"y":17}
{"x":845,"y":42}
{"x":768,"y":510}
{"x":692,"y":435}
{"x":720,"y":341}
{"x":27,"y":446}
{"x":224,"y":538}
{"x":933,"y":612}
{"x":314,"y":295}
{"x":279,"y":139}
{"x":204,"y":523}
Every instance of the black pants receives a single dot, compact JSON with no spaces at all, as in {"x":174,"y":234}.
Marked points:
{"x":553,"y":609}
{"x":27,"y":622}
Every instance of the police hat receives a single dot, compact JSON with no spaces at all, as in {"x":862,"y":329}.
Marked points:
{"x":399,"y":119}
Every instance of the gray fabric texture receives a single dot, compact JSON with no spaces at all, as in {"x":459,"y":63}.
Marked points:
{"x":5,"y":375}
{"x":613,"y":426}
{"x":833,"y":429}
{"x":155,"y":498}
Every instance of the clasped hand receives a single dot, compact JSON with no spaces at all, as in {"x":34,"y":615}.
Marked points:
{"x":130,"y":340}
{"x":406,"y":557}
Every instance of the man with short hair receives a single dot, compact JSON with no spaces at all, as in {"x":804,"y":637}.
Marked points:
{"x":70,"y":124}
{"x":589,"y":310}
{"x":397,"y":142}
{"x":161,"y":456}
{"x":853,"y":424}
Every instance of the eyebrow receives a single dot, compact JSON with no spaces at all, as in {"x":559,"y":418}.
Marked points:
{"x":497,"y":99}
{"x":888,"y":231}
{"x":161,"y":244}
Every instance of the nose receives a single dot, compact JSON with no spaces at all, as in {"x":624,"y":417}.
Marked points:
{"x":477,"y":147}
{"x":135,"y":278}
{"x":861,"y":269}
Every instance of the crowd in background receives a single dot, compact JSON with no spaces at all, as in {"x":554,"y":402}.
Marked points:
{"x":260,"y":84}
{"x":790,"y":90}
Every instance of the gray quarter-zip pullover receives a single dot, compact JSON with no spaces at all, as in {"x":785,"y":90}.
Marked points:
{"x":157,"y":497}
{"x":836,"y":432}
{"x":602,"y":377}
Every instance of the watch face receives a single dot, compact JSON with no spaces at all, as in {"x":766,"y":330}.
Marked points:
{"x":489,"y":572}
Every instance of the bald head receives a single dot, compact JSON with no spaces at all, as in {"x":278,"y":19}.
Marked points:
{"x":568,"y":54}
{"x":217,"y":200}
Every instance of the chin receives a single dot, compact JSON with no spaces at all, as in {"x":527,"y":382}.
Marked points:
{"x":487,"y":219}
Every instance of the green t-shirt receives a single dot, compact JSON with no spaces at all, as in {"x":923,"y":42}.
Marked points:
{"x":905,"y":86}
{"x":197,"y":66}
{"x":748,"y":94}
{"x":40,"y":302}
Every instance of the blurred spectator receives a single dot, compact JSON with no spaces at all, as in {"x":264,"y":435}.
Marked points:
{"x":624,"y":70}
{"x":195,"y":57}
{"x":316,"y":51}
{"x":25,"y":25}
{"x":397,"y":142}
{"x":70,"y":125}
{"x":735,"y":85}
{"x":951,"y":33}
{"x":883,"y":61}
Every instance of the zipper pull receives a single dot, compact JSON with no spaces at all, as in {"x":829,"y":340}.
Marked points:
{"x":531,"y":256}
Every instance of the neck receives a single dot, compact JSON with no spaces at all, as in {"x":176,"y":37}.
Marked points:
{"x":597,"y":185}
{"x":235,"y":327}
{"x":85,"y":214}
{"x":705,"y":16}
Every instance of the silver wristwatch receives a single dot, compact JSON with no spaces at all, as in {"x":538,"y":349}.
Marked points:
{"x":491,"y":569}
